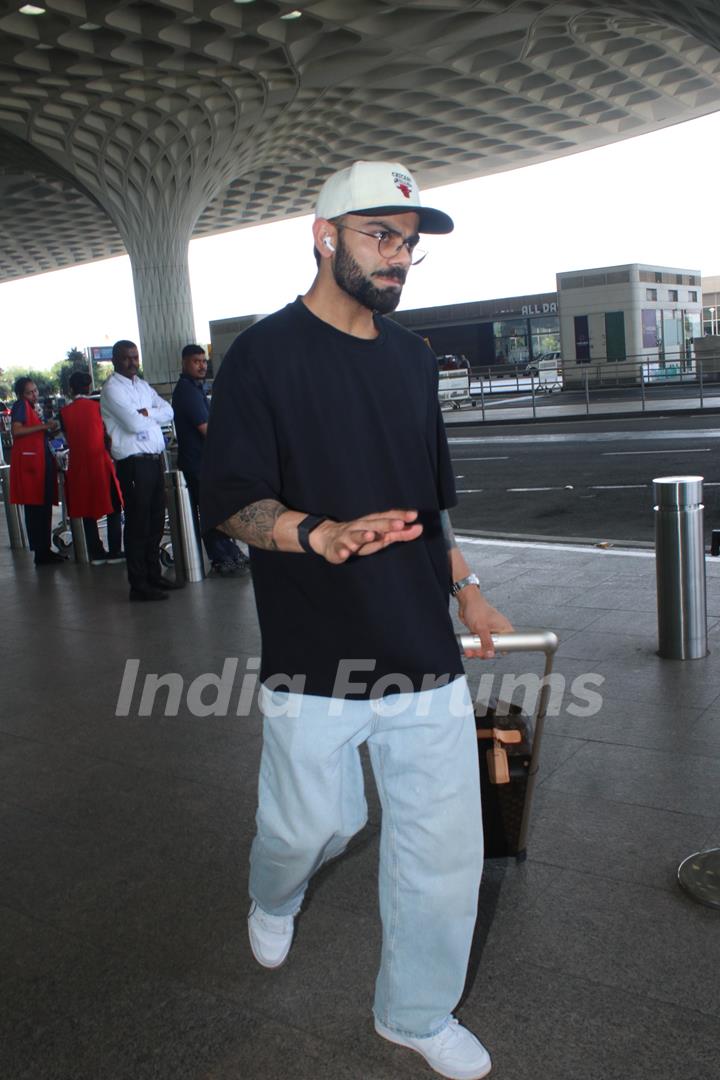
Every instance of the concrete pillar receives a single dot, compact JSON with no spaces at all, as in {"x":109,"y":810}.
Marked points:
{"x":159,"y":259}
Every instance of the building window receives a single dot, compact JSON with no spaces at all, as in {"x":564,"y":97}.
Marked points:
{"x":651,"y":294}
{"x":511,"y":341}
{"x":658,"y":276}
{"x":693,"y":296}
{"x":616,"y":277}
{"x":651,"y":328}
{"x":673,"y":295}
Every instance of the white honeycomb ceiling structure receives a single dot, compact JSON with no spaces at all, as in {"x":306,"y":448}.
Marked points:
{"x":204,"y":115}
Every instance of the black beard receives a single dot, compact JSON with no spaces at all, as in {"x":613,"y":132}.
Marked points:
{"x":351,"y":280}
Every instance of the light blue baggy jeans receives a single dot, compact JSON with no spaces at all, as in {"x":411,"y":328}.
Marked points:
{"x":423,"y":751}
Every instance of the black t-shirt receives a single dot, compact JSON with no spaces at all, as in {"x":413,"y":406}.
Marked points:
{"x":190,"y":408}
{"x":331,"y":424}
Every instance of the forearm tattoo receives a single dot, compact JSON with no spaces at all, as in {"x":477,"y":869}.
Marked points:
{"x":254,"y":523}
{"x":450,"y":541}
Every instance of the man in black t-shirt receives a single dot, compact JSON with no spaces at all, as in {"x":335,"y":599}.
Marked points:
{"x":326,"y":453}
{"x":191,"y":410}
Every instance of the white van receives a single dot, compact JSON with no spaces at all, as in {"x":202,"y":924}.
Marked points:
{"x":545,"y":362}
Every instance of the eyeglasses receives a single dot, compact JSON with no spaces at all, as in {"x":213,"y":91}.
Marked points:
{"x":391,"y":243}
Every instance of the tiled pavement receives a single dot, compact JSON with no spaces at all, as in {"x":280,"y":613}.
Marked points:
{"x":124,"y":844}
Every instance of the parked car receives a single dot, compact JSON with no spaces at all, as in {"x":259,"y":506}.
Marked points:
{"x":453,"y":362}
{"x":544,"y":362}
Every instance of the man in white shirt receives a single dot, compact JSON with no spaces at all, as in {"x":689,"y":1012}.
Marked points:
{"x":133,"y":413}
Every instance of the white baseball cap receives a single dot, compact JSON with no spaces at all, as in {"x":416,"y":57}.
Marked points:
{"x":378,"y":187}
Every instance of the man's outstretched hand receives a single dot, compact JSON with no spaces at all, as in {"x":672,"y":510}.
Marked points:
{"x":336,"y":541}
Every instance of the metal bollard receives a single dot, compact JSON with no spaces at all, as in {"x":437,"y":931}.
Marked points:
{"x":189,"y":564}
{"x":680,"y":567}
{"x":79,"y":541}
{"x":14,"y":514}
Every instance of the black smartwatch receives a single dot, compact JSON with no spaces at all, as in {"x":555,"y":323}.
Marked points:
{"x":305,"y":527}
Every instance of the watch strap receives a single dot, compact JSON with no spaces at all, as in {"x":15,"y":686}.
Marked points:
{"x":471,"y":579}
{"x":305,"y":527}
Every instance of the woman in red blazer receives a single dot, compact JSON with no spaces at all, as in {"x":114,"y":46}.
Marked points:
{"x":92,"y":490}
{"x":33,"y":472}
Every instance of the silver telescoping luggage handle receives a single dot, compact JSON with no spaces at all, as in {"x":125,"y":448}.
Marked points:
{"x":545,"y":641}
{"x":516,"y":641}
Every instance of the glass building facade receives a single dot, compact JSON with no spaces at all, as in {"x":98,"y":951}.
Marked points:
{"x":514,"y":330}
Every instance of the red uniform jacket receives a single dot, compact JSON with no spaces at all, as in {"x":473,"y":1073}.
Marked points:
{"x":91,"y":475}
{"x":27,"y":465}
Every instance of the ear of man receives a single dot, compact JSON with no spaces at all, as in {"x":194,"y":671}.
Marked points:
{"x":324,"y":239}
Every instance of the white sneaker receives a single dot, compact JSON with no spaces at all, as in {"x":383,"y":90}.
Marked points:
{"x":454,"y":1052}
{"x":270,"y":936}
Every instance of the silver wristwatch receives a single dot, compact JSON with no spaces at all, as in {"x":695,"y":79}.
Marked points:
{"x":471,"y":579}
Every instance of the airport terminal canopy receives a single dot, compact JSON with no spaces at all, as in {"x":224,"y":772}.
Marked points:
{"x":133,"y":126}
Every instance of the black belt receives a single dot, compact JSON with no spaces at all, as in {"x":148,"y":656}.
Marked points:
{"x":149,"y":457}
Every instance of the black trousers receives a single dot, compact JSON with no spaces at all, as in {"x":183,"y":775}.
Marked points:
{"x":220,"y":548}
{"x":38,"y":525}
{"x":38,"y":519}
{"x":114,"y":530}
{"x":142,"y":480}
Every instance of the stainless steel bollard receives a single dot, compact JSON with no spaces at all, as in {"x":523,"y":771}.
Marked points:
{"x":79,"y":541}
{"x":187,"y":554}
{"x":680,"y":567}
{"x":13,"y":513}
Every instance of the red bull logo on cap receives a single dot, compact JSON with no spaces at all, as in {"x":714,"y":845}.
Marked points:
{"x":403,"y":183}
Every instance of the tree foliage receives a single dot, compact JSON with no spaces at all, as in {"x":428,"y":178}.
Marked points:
{"x":75,"y":361}
{"x":44,"y":380}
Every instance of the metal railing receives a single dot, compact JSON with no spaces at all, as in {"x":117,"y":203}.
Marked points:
{"x":591,"y":384}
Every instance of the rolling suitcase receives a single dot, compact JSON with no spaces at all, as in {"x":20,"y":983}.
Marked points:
{"x":509,"y":748}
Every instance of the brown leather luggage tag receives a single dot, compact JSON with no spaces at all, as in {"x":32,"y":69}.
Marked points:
{"x":497,"y":759}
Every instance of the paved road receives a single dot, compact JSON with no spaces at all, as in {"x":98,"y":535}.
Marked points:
{"x":590,"y":479}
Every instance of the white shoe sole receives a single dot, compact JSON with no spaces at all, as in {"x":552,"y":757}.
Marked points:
{"x":394,"y":1037}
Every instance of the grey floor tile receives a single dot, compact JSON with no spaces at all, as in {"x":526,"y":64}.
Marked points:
{"x":115,"y":799}
{"x":628,"y":623}
{"x":707,"y":727}
{"x":672,"y":781}
{"x":159,"y":913}
{"x":308,"y":992}
{"x":522,"y":591}
{"x":667,"y":684}
{"x":618,"y":840}
{"x":647,"y":942}
{"x":350,"y":881}
{"x":561,"y":617}
{"x":570,"y":1027}
{"x":616,"y":595}
{"x":554,"y":752}
{"x":635,"y":723}
{"x":614,"y":647}
{"x":215,"y":752}
{"x":80,"y":1016}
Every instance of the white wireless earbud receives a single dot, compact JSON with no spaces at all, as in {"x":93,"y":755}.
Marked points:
{"x":328,"y":243}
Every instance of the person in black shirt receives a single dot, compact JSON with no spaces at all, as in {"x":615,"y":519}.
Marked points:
{"x":191,"y":410}
{"x":326,"y":453}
